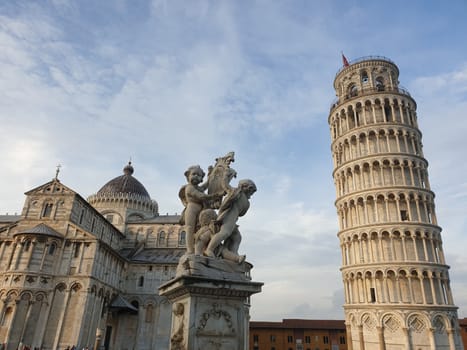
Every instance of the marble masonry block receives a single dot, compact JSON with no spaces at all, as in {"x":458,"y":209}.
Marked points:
{"x":210,"y":304}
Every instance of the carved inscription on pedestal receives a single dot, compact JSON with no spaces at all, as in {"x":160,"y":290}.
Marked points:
{"x":216,"y":330}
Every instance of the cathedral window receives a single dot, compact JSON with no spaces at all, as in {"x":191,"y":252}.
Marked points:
{"x":47,"y":210}
{"x":77,"y":249}
{"x":182,"y":238}
{"x":52,"y":248}
{"x":81,"y":216}
{"x":104,"y":307}
{"x":149,"y":313}
{"x":6,"y":316}
{"x":141,"y":281}
{"x":27,"y":245}
{"x":161,"y":240}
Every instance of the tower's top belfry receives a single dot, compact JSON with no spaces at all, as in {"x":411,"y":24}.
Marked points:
{"x":366,"y":75}
{"x":367,"y":68}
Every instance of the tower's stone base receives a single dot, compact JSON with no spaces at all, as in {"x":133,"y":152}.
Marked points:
{"x":210,"y":299}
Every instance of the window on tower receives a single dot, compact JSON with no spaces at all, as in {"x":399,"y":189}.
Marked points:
{"x":373,"y":295}
{"x":353,"y":91}
{"x":387,"y":112}
{"x":379,"y":84}
{"x":364,"y":77}
{"x":404,"y":216}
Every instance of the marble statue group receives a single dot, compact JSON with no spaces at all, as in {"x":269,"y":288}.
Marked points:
{"x":212,"y":209}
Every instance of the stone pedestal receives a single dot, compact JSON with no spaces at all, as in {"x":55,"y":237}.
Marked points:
{"x":210,"y":299}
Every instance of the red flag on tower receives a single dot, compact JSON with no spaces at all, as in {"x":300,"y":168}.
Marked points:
{"x":344,"y":61}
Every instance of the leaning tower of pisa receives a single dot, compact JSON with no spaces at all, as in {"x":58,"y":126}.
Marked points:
{"x":396,"y":281}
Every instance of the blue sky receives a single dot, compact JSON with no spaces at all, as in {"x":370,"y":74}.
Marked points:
{"x":89,"y":84}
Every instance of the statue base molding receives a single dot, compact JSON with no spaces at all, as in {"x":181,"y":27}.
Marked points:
{"x":210,"y":302}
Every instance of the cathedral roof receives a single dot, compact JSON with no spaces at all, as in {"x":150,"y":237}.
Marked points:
{"x":160,"y":219}
{"x":120,"y":303}
{"x":125,"y":183}
{"x":154,"y":255}
{"x":9,"y":218}
{"x":41,"y":229}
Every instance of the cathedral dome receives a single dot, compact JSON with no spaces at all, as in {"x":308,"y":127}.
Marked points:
{"x":124,"y":198}
{"x":125,"y":183}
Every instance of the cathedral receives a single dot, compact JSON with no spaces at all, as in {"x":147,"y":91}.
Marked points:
{"x":85,"y":273}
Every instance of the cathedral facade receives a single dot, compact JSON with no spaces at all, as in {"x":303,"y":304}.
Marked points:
{"x":396,"y":280}
{"x":85,"y":273}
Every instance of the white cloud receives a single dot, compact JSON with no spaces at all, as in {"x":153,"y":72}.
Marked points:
{"x":446,"y":85}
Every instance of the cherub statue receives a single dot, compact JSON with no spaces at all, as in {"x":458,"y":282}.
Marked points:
{"x":234,"y":205}
{"x":207,"y":221}
{"x":194,"y":199}
{"x":176,"y":341}
{"x":209,"y":227}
